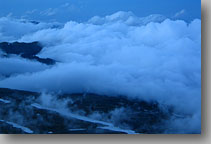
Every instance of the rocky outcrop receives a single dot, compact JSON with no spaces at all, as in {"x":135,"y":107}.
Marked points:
{"x":25,"y":50}
{"x":23,"y":112}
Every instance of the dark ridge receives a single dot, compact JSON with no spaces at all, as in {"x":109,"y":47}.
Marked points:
{"x":30,"y":21}
{"x":139,"y":116}
{"x":47,"y":61}
{"x":25,"y":50}
{"x":17,"y":48}
{"x":34,"y":22}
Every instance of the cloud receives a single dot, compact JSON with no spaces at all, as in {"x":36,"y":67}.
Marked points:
{"x":65,"y":5}
{"x":127,"y":18}
{"x":49,"y":12}
{"x":16,"y":65}
{"x":32,"y":11}
{"x":9,"y":15}
{"x":60,"y":11}
{"x":180,"y":13}
{"x":12,"y":29}
{"x":154,"y":61}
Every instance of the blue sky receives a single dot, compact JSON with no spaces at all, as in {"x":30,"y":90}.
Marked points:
{"x":81,"y":10}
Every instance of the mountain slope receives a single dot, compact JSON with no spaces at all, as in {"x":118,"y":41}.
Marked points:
{"x":25,"y":50}
{"x":29,"y":112}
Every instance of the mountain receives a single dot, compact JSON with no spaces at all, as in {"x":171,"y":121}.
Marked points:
{"x":25,"y":50}
{"x":25,"y":112}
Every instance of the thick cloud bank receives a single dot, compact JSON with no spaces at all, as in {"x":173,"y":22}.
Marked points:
{"x":152,"y":61}
{"x":13,"y":29}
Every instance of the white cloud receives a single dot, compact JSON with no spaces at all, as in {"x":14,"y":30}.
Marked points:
{"x":65,"y":5}
{"x":51,"y":12}
{"x":9,"y":15}
{"x":180,"y":13}
{"x":127,"y":18}
{"x":12,"y":29}
{"x":32,"y":11}
{"x":17,"y":65}
{"x":156,"y":61}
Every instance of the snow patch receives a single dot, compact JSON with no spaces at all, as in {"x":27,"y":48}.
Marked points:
{"x":25,"y":129}
{"x":4,"y":101}
{"x":108,"y":126}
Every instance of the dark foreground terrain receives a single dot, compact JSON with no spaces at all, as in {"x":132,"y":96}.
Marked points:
{"x":26,"y":51}
{"x":23,"y":112}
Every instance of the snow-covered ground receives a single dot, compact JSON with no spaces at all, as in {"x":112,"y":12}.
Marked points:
{"x":4,"y":101}
{"x":25,"y":129}
{"x":108,"y":126}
